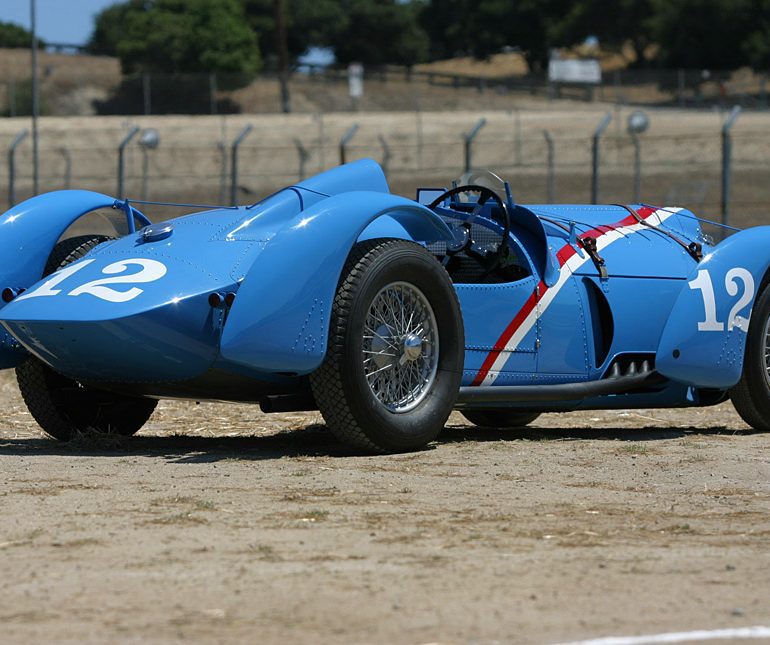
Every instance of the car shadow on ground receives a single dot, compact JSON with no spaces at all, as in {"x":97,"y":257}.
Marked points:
{"x":314,"y":441}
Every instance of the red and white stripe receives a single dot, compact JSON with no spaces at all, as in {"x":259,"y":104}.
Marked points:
{"x":569,"y":261}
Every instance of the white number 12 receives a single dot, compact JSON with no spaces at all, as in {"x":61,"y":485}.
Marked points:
{"x":703,"y":284}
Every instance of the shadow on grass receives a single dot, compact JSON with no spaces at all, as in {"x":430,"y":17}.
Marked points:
{"x":314,"y":441}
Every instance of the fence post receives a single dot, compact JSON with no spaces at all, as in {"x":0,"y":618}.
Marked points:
{"x":234,"y":164}
{"x":149,"y":140}
{"x":727,"y":149}
{"x":319,"y":117}
{"x":469,"y":137}
{"x":517,"y":136}
{"x":12,"y":166}
{"x":637,"y":167}
{"x":550,"y":163}
{"x":385,"y":154}
{"x":146,"y":95}
{"x":122,"y":161}
{"x":67,"y":167}
{"x":418,"y":125}
{"x":12,"y":96}
{"x":222,"y":147}
{"x":346,"y":140}
{"x":304,"y":155}
{"x":595,"y":156}
{"x":213,"y":93}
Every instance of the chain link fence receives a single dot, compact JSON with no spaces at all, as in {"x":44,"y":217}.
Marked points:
{"x":69,"y":88}
{"x":193,"y":163}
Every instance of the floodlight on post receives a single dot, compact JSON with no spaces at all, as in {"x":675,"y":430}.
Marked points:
{"x":234,"y":163}
{"x":345,"y":140}
{"x":638,"y":122}
{"x":595,"y":156}
{"x":12,"y":165}
{"x":122,"y":160}
{"x":148,"y":140}
{"x":468,"y":138}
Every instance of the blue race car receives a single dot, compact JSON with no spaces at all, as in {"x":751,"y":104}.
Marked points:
{"x":382,"y":312}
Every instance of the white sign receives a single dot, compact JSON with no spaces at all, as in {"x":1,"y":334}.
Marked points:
{"x":586,"y":71}
{"x":356,"y":80}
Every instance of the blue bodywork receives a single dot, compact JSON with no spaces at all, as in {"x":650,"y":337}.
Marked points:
{"x":235,"y":303}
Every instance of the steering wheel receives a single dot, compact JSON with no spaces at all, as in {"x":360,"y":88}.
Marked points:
{"x":463,"y":241}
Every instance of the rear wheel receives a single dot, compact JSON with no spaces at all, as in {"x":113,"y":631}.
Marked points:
{"x":751,"y":396}
{"x":64,"y":407}
{"x":500,"y":418}
{"x":396,"y":348}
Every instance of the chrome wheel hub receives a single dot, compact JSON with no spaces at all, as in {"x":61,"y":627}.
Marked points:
{"x":400,"y":348}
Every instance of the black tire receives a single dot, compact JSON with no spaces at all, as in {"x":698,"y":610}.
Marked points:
{"x":348,"y":404}
{"x":64,"y":407}
{"x":751,"y":395}
{"x":500,"y":418}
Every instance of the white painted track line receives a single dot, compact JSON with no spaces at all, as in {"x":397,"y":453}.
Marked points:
{"x":679,"y":637}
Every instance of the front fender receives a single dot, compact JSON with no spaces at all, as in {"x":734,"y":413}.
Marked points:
{"x":280,"y":319}
{"x":28,"y":233}
{"x":704,"y":340}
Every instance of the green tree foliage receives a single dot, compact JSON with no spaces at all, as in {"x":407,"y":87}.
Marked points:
{"x":757,"y":43}
{"x":381,"y":32}
{"x":713,"y":34}
{"x":177,"y":36}
{"x":629,"y":21}
{"x":233,"y":35}
{"x":109,"y":29}
{"x":484,"y":27}
{"x":12,"y":36}
{"x":372,"y":32}
{"x":308,"y":23}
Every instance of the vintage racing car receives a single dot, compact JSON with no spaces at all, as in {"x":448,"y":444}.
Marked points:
{"x":382,"y":312}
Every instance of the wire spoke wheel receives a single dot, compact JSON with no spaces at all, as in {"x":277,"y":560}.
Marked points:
{"x":401,"y":347}
{"x":387,"y":384}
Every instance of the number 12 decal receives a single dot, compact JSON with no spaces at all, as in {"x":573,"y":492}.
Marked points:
{"x":151,"y":270}
{"x":703,"y":284}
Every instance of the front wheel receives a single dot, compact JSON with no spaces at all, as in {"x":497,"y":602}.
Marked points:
{"x":396,"y":348}
{"x":751,"y":395}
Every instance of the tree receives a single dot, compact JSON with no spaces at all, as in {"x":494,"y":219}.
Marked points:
{"x":381,"y":32}
{"x":372,"y":32}
{"x":629,"y":21}
{"x":12,"y":36}
{"x":715,"y":34}
{"x":757,"y":44}
{"x":109,"y":29}
{"x":483,"y":28}
{"x":178,"y":36}
{"x":308,"y":23}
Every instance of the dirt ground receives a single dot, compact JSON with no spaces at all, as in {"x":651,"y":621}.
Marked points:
{"x":220,"y":524}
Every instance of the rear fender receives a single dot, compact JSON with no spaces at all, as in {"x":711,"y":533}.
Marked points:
{"x":704,"y":340}
{"x":28,"y":233}
{"x":280,"y":319}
